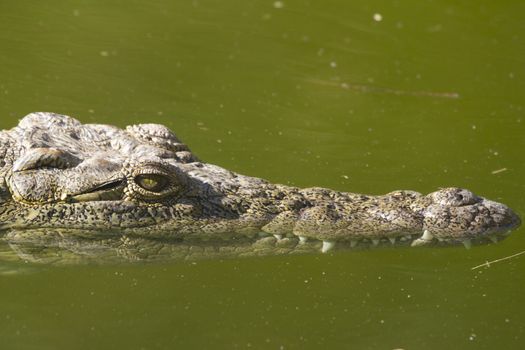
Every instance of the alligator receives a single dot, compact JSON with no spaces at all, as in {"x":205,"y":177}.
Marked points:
{"x":142,"y":187}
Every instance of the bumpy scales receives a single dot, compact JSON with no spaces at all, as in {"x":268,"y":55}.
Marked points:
{"x":57,"y":173}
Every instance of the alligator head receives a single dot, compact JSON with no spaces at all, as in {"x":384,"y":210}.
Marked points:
{"x":57,"y":173}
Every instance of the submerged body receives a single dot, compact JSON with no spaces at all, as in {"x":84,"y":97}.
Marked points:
{"x":57,"y":173}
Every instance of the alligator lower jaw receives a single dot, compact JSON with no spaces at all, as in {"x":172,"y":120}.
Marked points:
{"x":66,"y":246}
{"x":112,"y":191}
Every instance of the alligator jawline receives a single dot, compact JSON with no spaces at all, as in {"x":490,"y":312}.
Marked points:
{"x":58,"y":246}
{"x":108,"y":191}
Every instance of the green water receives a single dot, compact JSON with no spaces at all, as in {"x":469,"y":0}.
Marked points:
{"x":362,"y":96}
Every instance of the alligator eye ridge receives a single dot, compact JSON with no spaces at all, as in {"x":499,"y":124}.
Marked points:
{"x":152,"y":182}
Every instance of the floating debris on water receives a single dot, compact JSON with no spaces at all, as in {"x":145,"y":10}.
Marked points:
{"x":494,"y":172}
{"x":278,"y":4}
{"x":488,"y":263}
{"x":378,"y":17}
{"x":381,"y":90}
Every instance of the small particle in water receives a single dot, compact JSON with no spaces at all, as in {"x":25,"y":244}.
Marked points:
{"x":219,"y":141}
{"x":76,"y":13}
{"x":278,"y":4}
{"x":382,"y":321}
{"x":333,"y":64}
{"x":472,"y":337}
{"x":474,"y":127}
{"x":345,"y":177}
{"x":104,"y":53}
{"x":378,"y":17}
{"x":511,"y":75}
{"x":435,"y":28}
{"x":494,"y":172}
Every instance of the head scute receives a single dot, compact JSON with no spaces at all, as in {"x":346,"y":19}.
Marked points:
{"x":47,"y":120}
{"x":162,"y":137}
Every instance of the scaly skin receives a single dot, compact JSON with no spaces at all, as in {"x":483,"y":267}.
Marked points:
{"x":57,"y":173}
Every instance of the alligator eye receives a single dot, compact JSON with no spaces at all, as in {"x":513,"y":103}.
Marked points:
{"x":152,"y":182}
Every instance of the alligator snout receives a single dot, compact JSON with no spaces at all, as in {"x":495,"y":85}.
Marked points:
{"x":502,"y":216}
{"x":459,"y":215}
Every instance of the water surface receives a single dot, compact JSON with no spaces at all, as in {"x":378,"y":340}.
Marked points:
{"x":361,"y":96}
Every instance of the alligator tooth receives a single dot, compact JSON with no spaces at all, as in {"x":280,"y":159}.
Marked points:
{"x":278,"y":237}
{"x":327,"y":245}
{"x":375,"y":241}
{"x":427,"y":236}
{"x":353,"y":243}
{"x":493,"y":239}
{"x":467,"y":243}
{"x":425,"y":239}
{"x":392,"y":240}
{"x":302,"y":239}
